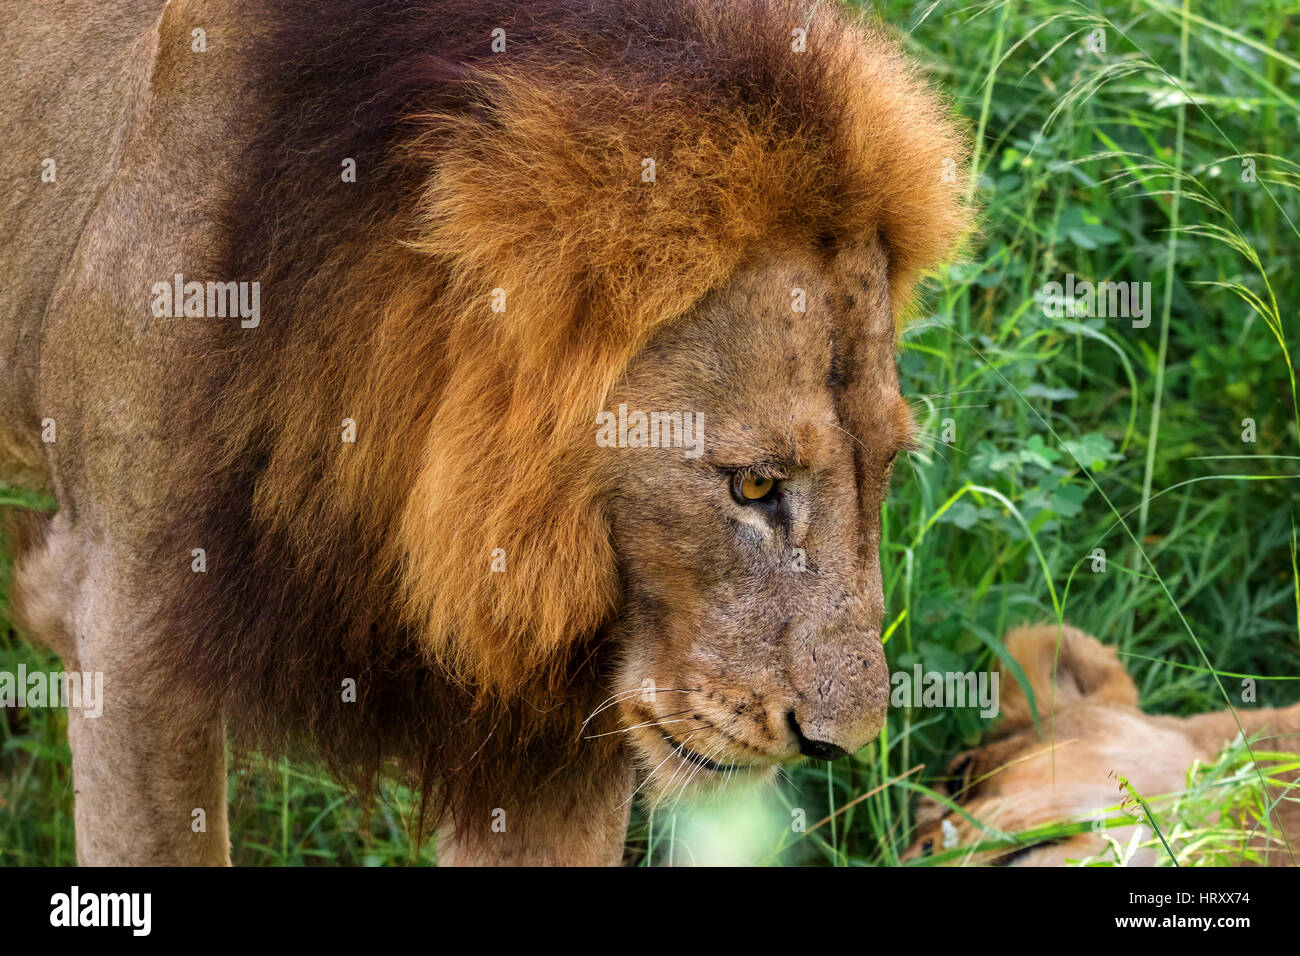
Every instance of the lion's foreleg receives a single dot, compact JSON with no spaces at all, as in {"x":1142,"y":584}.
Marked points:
{"x":149,"y":770}
{"x":575,"y":818}
{"x":150,"y":785}
{"x":148,"y":794}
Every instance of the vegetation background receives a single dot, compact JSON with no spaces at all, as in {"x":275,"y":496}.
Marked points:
{"x":1138,"y":141}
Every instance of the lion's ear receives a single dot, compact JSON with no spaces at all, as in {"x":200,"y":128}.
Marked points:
{"x":1062,"y":665}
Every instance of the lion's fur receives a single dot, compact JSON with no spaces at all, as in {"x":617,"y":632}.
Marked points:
{"x":751,"y":153}
{"x":1061,"y":758}
{"x":523,"y":176}
{"x":1061,"y":671}
{"x":477,"y":171}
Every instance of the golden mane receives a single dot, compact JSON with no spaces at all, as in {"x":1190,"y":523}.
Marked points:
{"x":477,"y":171}
{"x":544,"y":198}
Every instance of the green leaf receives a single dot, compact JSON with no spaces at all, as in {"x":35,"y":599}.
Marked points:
{"x":1093,"y":450}
{"x":1067,"y":499}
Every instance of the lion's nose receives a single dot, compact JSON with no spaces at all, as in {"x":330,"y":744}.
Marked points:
{"x":816,"y":749}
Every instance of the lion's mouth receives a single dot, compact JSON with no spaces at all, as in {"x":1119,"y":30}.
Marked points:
{"x":700,"y":761}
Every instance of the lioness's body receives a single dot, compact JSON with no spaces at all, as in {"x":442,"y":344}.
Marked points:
{"x":463,"y":559}
{"x":1091,"y":735}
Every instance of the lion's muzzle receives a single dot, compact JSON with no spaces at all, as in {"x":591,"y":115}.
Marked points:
{"x":842,"y":695}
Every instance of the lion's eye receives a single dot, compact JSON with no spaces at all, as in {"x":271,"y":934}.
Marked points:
{"x":748,"y":488}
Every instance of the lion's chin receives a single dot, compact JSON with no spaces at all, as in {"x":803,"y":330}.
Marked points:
{"x":687,"y":783}
{"x":672,"y":772}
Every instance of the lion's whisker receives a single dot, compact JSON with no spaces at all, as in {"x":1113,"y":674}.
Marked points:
{"x":651,"y":774}
{"x":624,"y":695}
{"x":610,"y":701}
{"x":649,"y":723}
{"x":670,"y":789}
{"x":681,"y":793}
{"x":785,"y":775}
{"x":946,"y":393}
{"x":689,"y":766}
{"x":847,"y":432}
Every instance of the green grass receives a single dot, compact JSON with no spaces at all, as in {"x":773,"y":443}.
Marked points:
{"x":1221,"y":817}
{"x":1093,"y":433}
{"x":1070,"y":435}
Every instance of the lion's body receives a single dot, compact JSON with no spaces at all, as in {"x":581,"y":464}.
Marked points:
{"x":1090,"y":736}
{"x":327,"y":561}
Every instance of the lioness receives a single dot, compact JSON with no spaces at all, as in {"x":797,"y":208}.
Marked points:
{"x":504,"y":391}
{"x":1089,"y":736}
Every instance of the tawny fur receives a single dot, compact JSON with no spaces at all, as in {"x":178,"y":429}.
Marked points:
{"x":1062,"y":759}
{"x":476,"y":171}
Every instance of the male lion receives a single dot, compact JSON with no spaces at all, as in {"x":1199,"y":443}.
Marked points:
{"x":1090,"y":735}
{"x":312,"y":311}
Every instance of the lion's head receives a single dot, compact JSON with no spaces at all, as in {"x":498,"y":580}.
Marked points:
{"x":749,"y":628}
{"x":711,"y":210}
{"x":759,"y":230}
{"x":1060,"y":768}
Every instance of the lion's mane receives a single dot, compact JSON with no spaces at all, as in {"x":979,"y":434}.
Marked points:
{"x":477,"y":171}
